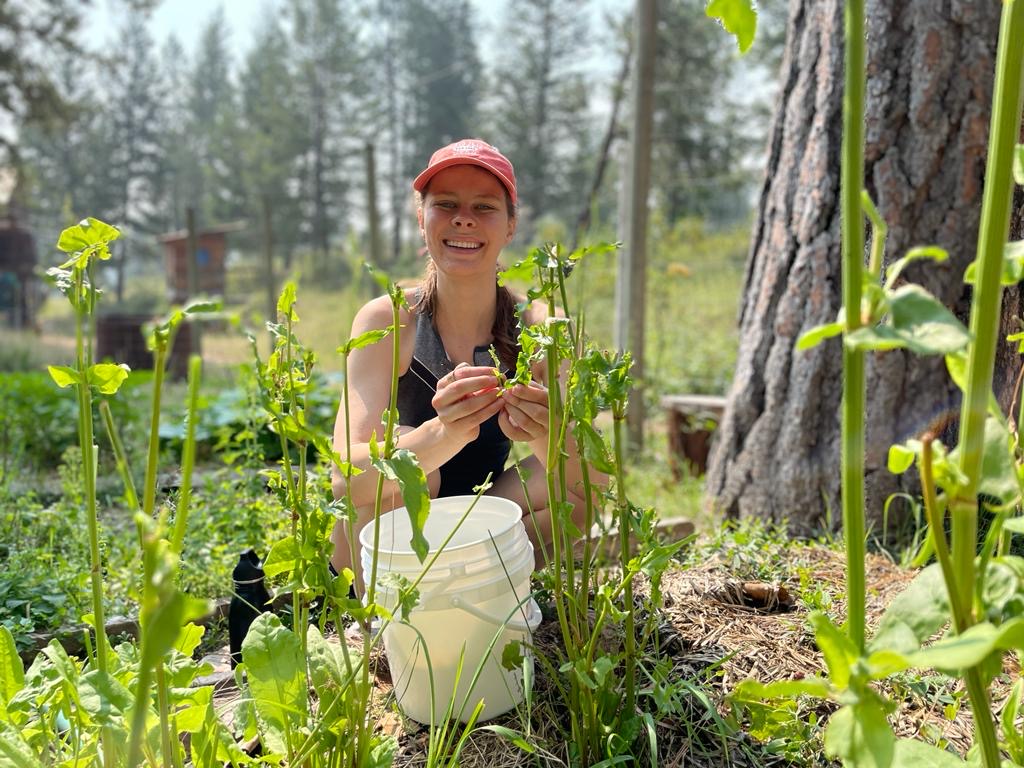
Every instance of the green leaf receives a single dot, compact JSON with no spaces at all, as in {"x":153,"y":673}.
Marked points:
{"x":286,"y":303}
{"x":1018,"y":164}
{"x":933,"y":252}
{"x":382,"y":754}
{"x":818,"y":334}
{"x":998,"y":470}
{"x":364,"y":339}
{"x":956,"y":364}
{"x":836,"y":647}
{"x":14,"y":750}
{"x":914,"y":615}
{"x":192,"y":718}
{"x":520,"y":272}
{"x":512,"y":655}
{"x":275,"y":669}
{"x":404,"y":468}
{"x":104,"y":697}
{"x":1011,"y":710}
{"x":739,"y":17}
{"x":514,"y":737}
{"x":63,"y":376}
{"x":12,"y":672}
{"x":917,"y":321}
{"x":754,"y":690}
{"x":399,"y":584}
{"x":900,"y":459}
{"x":281,"y":558}
{"x":971,"y":647}
{"x":189,"y":637}
{"x":602,"y":666}
{"x":107,"y":377}
{"x":859,"y":735}
{"x":326,"y":665}
{"x":87,"y":238}
{"x":911,"y":753}
{"x":1012,"y":271}
{"x":201,"y":307}
{"x":595,"y":451}
{"x":928,"y":327}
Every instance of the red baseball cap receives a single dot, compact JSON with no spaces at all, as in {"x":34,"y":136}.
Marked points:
{"x":469,"y":152}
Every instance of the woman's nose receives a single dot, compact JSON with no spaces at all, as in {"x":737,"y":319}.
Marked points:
{"x":463,"y":219}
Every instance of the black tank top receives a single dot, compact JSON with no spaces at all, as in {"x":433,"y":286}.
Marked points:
{"x":416,"y":388}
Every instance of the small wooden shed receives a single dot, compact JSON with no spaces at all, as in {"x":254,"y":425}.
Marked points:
{"x":211,"y":249}
{"x":17,"y":275}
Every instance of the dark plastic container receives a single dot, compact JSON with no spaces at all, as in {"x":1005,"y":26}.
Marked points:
{"x":250,"y":599}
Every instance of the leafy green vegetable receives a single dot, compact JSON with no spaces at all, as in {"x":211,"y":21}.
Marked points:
{"x":738,"y":17}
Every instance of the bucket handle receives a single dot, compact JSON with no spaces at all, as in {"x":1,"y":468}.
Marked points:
{"x":516,"y":624}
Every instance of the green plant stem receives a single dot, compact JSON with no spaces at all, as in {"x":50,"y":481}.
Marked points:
{"x":149,"y":485}
{"x":936,"y":523}
{"x":985,"y":311}
{"x":625,"y":536}
{"x":986,"y":301}
{"x":389,"y":445}
{"x":89,"y":478}
{"x":120,"y":456}
{"x":166,"y":744}
{"x":89,"y":458}
{"x":852,"y":223}
{"x":140,"y":708}
{"x":879,"y":231}
{"x":188,"y":455}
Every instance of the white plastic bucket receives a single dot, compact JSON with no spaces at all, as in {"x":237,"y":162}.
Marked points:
{"x":478,"y":587}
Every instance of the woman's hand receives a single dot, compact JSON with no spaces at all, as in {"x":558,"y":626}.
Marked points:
{"x":525,"y":415}
{"x":465,"y":399}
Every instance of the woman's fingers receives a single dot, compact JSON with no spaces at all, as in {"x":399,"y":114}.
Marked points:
{"x":511,"y":429}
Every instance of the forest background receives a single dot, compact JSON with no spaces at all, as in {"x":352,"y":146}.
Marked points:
{"x":134,"y":131}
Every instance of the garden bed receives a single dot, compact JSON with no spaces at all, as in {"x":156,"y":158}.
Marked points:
{"x":715,"y":635}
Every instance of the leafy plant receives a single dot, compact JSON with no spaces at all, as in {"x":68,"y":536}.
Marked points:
{"x":981,"y":598}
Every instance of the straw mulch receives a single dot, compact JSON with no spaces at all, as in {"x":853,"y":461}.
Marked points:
{"x":717,"y":630}
{"x":768,"y":640}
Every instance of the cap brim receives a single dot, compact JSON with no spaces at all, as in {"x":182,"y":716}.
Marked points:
{"x":421,"y":181}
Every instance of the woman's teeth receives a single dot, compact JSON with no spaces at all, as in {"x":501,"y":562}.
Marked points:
{"x":461,"y":244}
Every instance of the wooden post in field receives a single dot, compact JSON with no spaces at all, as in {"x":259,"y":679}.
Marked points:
{"x":372,"y":215}
{"x":631,"y":288}
{"x":268,"y":259}
{"x":192,"y":259}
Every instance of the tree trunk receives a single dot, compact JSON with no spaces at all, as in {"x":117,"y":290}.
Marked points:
{"x":930,"y":76}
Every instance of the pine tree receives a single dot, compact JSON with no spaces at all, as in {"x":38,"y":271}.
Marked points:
{"x":178,"y":173}
{"x":214,"y":127}
{"x":33,"y":32}
{"x":441,"y":73}
{"x":272,"y":137}
{"x":131,"y":126}
{"x":329,"y":89}
{"x":539,"y":106}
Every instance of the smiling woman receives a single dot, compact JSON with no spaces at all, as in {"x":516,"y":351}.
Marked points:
{"x":452,"y":412}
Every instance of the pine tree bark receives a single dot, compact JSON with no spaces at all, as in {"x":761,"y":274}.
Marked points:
{"x":930,"y":77}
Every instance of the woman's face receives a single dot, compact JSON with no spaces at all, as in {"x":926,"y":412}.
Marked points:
{"x":465,"y":220}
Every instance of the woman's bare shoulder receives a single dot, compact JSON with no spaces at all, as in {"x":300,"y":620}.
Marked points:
{"x":377,"y":313}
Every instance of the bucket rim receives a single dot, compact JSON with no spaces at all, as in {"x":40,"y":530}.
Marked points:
{"x":406,"y":549}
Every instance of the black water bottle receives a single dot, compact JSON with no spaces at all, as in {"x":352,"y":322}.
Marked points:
{"x":249,"y":601}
